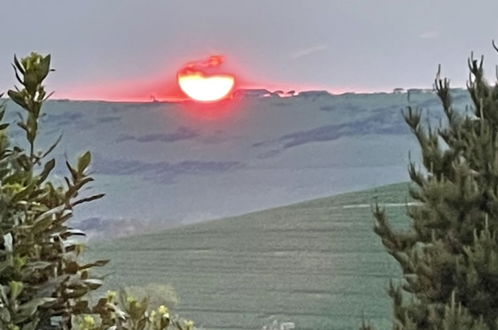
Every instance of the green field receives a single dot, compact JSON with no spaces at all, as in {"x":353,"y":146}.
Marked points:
{"x":316,"y":263}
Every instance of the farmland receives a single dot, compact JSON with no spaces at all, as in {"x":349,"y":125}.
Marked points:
{"x":316,"y":263}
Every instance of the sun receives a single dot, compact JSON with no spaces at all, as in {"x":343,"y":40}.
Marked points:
{"x":203,"y":88}
{"x":203,"y":81}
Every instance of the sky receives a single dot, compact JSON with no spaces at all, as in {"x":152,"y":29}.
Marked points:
{"x":131,"y":49}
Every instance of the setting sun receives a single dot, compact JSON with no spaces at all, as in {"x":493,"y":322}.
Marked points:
{"x":202,"y":80}
{"x":206,"y":89}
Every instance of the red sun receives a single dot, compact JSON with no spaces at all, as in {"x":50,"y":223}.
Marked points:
{"x":203,"y":81}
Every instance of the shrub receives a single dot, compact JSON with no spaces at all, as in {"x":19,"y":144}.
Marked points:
{"x":43,"y":285}
{"x":157,"y":294}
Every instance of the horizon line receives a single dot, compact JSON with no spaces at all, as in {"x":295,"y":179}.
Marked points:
{"x":282,"y":93}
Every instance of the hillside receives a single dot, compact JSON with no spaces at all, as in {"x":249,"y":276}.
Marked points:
{"x":316,"y":263}
{"x":163,"y":164}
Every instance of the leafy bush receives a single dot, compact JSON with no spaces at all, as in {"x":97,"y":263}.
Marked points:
{"x":449,"y":256}
{"x":43,"y":285}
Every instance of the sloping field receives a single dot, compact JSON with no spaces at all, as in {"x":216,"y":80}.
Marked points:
{"x":317,"y":264}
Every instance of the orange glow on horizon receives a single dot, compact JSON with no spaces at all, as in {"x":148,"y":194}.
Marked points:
{"x":162,"y":91}
{"x":204,"y":81}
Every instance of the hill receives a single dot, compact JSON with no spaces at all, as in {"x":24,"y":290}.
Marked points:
{"x":162,"y":164}
{"x":316,"y":263}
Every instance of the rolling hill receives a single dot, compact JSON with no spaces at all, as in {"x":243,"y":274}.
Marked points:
{"x":162,"y":164}
{"x":172,"y":165}
{"x":316,"y":263}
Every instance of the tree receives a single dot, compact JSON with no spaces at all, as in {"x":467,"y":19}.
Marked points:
{"x":42,"y":282}
{"x":449,"y":254}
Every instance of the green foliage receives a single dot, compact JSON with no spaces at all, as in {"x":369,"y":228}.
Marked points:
{"x":449,"y":257}
{"x":127,"y":313}
{"x":157,"y":294}
{"x":42,"y":283}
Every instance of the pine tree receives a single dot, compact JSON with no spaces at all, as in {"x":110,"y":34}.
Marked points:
{"x":449,"y":254}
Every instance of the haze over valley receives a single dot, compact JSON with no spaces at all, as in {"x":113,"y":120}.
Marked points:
{"x":163,"y":164}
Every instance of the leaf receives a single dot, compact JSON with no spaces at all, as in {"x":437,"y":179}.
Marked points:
{"x":15,"y":177}
{"x":23,"y":193}
{"x":16,"y":72}
{"x":67,"y":182}
{"x":31,"y":83}
{"x":88,"y":199}
{"x":84,"y":161}
{"x":72,"y":232}
{"x":83,"y":182}
{"x":38,"y":265}
{"x":32,"y":128}
{"x":49,"y":287}
{"x":4,"y":312}
{"x":27,"y":310}
{"x":24,"y":161}
{"x":77,"y":292}
{"x":7,"y":242}
{"x":49,"y":166}
{"x":49,"y":94}
{"x":93,"y":284}
{"x":74,"y":174}
{"x":81,"y":307}
{"x":18,"y":65}
{"x":44,"y":68}
{"x":17,"y":98}
{"x":3,"y":294}
{"x":4,"y":265}
{"x":49,"y":213}
{"x":23,"y":126}
{"x":66,"y":215}
{"x":98,"y":263}
{"x":42,"y":224}
{"x":16,"y":288}
{"x":72,"y":267}
{"x":52,"y":147}
{"x":33,"y":325}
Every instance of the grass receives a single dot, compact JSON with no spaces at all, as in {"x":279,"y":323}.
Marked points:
{"x":314,"y":263}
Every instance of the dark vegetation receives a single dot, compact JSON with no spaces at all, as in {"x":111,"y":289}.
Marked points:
{"x":43,"y":283}
{"x":449,"y":256}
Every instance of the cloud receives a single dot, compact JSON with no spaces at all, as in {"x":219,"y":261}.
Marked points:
{"x":341,"y":107}
{"x":385,"y":120}
{"x":181,"y":133}
{"x":300,"y":53}
{"x":429,"y":35}
{"x":377,"y":124}
{"x":108,"y":119}
{"x":161,"y":171}
{"x":65,"y":118}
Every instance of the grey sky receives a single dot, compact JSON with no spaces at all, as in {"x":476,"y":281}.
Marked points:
{"x":105,"y":47}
